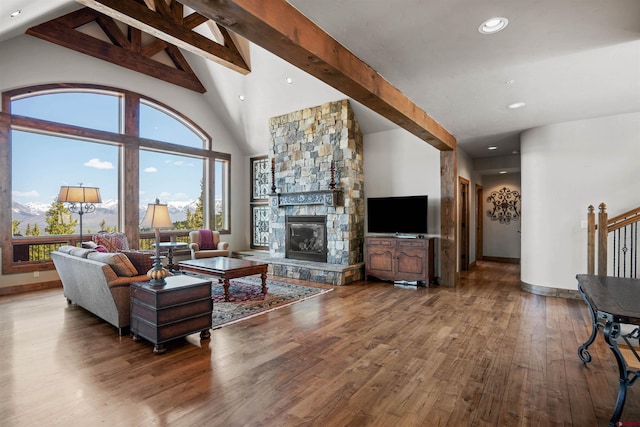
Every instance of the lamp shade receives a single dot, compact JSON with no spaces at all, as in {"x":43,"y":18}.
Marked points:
{"x":157,"y":216}
{"x":79,"y":194}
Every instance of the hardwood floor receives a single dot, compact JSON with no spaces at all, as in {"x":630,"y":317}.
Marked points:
{"x":483,"y":354}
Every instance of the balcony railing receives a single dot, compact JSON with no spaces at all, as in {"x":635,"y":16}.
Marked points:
{"x":34,"y":253}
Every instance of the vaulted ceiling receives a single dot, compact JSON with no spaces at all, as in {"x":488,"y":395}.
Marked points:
{"x":565,"y":59}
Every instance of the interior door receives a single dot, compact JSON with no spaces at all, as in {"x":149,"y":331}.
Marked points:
{"x":479,"y":216}
{"x":463,"y":186}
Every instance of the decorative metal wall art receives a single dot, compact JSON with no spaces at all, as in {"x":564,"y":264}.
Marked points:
{"x":506,"y":206}
{"x":260,"y":222}
{"x":261,"y":174}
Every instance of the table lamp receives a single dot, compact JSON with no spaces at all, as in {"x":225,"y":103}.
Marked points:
{"x":81,"y":200}
{"x":157,"y":217}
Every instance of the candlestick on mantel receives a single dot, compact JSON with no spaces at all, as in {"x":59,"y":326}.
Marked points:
{"x":332,"y":184}
{"x":273,"y":175}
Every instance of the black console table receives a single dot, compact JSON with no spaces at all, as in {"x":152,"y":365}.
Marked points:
{"x":613,"y":301}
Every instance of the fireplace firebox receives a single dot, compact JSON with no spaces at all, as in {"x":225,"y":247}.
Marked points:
{"x":306,"y":238}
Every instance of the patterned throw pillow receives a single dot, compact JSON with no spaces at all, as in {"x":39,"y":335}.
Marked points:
{"x":114,"y":242}
{"x":141,"y":260}
{"x":119,"y":262}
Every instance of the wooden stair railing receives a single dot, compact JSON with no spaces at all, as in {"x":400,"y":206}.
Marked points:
{"x":622,"y":232}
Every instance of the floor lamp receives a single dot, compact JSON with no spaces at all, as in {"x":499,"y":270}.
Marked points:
{"x":81,"y":200}
{"x":157,"y":217}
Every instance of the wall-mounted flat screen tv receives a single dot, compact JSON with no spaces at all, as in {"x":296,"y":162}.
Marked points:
{"x":397,"y":215}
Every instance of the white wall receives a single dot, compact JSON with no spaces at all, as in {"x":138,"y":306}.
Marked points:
{"x":500,"y":240}
{"x":397,"y":163}
{"x":565,"y":168}
{"x":29,"y":61}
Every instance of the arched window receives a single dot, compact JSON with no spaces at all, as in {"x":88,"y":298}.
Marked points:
{"x":134,"y":149}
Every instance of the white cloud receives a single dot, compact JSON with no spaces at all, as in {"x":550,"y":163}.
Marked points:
{"x":30,"y":194}
{"x":179,"y":163}
{"x":99,"y":164}
{"x":180,"y":196}
{"x":151,"y":169}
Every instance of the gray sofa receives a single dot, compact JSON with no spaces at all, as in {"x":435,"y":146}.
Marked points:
{"x":98,"y":282}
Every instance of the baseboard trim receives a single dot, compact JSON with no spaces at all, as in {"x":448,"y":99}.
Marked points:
{"x":501,"y":259}
{"x":30,"y":287}
{"x":550,"y":292}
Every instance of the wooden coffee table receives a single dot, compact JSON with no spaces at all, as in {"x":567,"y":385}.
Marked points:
{"x":227,"y":268}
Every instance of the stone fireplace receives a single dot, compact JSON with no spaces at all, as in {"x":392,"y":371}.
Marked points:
{"x":318,"y":173}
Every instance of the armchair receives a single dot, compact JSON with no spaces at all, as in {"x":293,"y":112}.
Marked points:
{"x":207,"y":244}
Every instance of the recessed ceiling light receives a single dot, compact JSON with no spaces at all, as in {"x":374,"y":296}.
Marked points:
{"x":516,"y":105}
{"x":492,"y":147}
{"x":502,"y":172}
{"x":241,"y":98}
{"x":16,"y":13}
{"x":289,"y":80}
{"x":493,"y":25}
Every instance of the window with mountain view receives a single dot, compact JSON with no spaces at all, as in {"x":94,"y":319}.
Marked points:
{"x":67,"y":161}
{"x":67,"y":135}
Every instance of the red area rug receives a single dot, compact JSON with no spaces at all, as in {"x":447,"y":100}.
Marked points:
{"x":247,"y":300}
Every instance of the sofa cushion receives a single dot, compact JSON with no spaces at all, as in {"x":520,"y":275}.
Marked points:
{"x":75,"y":251}
{"x":66,"y":249}
{"x":93,"y":245}
{"x":141,"y":260}
{"x":89,"y":245}
{"x":118,"y":262}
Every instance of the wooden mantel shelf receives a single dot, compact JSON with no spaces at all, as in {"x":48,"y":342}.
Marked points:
{"x":320,"y":197}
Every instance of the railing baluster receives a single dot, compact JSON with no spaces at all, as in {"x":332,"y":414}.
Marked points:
{"x":634,"y":250}
{"x":602,"y":239}
{"x":625,"y":250}
{"x":616,"y":267}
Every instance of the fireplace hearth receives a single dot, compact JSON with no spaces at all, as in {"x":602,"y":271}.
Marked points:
{"x":306,"y":237}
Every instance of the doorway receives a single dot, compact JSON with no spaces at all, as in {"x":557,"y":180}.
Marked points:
{"x":479,"y":216}
{"x":463,"y":187}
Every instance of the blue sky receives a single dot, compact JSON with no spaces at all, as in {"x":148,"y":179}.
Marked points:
{"x":53,"y":161}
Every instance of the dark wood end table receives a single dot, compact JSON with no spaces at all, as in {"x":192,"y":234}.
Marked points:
{"x":227,"y":268}
{"x":162,"y":313}
{"x":170,"y":246}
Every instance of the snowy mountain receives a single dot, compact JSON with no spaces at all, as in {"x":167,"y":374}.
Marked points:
{"x":35,"y":213}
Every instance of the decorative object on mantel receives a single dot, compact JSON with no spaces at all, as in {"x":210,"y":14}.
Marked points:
{"x":157,"y":217}
{"x":321,"y":197}
{"x":332,"y":184}
{"x":85,"y":197}
{"x":505,"y":206}
{"x":273,"y":174}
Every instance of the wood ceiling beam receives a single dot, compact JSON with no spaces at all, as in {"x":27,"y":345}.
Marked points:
{"x":161,"y":24}
{"x":114,"y":32}
{"x":283,"y":30}
{"x":56,"y":32}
